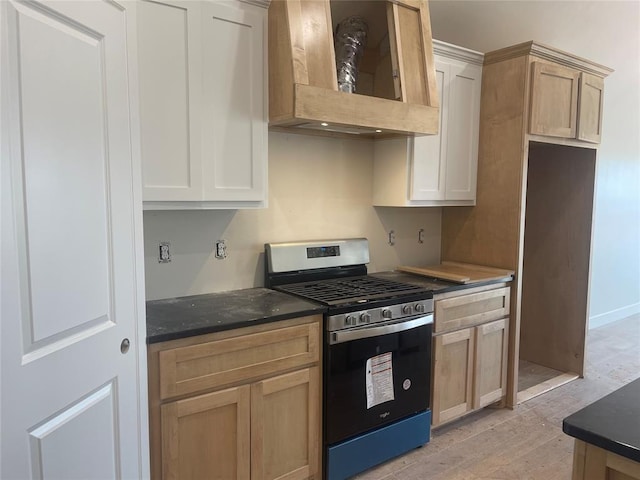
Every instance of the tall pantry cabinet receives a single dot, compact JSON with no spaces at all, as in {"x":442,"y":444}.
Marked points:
{"x":540,"y":126}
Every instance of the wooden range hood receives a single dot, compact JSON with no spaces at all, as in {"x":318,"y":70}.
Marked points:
{"x":396,"y":83}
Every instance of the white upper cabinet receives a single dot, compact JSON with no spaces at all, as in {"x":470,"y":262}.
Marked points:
{"x":203,"y":104}
{"x":437,"y":170}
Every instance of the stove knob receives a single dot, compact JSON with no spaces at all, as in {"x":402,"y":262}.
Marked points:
{"x":406,"y":309}
{"x":419,"y":307}
{"x":350,"y":320}
{"x":386,"y":313}
{"x":365,"y":318}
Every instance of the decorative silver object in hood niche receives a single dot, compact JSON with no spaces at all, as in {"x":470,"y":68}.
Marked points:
{"x":350,"y":41}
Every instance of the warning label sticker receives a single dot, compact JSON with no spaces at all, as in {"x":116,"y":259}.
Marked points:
{"x":379,"y":380}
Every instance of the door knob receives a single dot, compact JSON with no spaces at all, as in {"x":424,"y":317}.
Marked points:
{"x":124,"y":346}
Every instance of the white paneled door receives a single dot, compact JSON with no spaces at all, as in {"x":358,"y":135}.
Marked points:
{"x":73,"y":373}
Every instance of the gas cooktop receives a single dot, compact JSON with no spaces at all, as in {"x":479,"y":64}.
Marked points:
{"x":342,"y":291}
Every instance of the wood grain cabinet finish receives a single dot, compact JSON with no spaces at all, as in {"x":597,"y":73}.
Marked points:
{"x":554,"y":100}
{"x":303,"y":87}
{"x":531,"y":92}
{"x":207,"y":436}
{"x":437,"y":170}
{"x":470,"y":364}
{"x":202,"y":69}
{"x":565,"y":103}
{"x":594,"y":463}
{"x":285,"y":432}
{"x":248,"y":407}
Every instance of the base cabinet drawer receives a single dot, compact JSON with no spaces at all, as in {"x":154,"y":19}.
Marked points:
{"x":471,"y":309}
{"x":195,"y":368}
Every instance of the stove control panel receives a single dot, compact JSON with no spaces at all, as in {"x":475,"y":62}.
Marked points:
{"x":372,"y":316}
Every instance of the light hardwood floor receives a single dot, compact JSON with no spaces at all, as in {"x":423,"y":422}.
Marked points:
{"x":526,"y":443}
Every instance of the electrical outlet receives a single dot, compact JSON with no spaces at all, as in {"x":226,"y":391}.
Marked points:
{"x":164,"y":252}
{"x":221,"y":249}
{"x":392,"y":237}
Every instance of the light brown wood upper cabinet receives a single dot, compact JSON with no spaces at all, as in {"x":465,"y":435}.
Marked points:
{"x":565,"y":102}
{"x":396,"y":88}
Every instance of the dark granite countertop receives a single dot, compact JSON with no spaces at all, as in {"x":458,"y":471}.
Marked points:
{"x":173,"y":318}
{"x":612,"y":423}
{"x":434,"y":284}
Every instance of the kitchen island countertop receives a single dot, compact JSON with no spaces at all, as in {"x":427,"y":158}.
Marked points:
{"x":181,"y":317}
{"x":611,"y":423}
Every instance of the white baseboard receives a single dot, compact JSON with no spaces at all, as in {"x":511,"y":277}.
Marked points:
{"x":613,"y":315}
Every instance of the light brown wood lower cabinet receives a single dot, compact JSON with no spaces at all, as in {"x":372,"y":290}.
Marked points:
{"x":285,"y":434}
{"x":207,"y":436}
{"x":252,"y":411}
{"x":594,"y":463}
{"x":469,"y":370}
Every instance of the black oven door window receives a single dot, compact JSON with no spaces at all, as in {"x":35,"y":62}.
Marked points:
{"x":347,"y":411}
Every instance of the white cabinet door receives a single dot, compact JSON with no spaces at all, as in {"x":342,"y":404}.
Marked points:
{"x":72,"y":405}
{"x":234,"y":114}
{"x":437,"y":170}
{"x":428,"y":167}
{"x":170,"y":99}
{"x":462,"y":132}
{"x":203,"y":104}
{"x":444,"y":165}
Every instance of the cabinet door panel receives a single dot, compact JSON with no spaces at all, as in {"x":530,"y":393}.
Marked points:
{"x":491,"y":362}
{"x":462,"y":132}
{"x":554,"y":100}
{"x":453,"y":375}
{"x":285,"y":426}
{"x":412,"y":51}
{"x":207,"y":436}
{"x":233,"y":102}
{"x":168,"y":48}
{"x":590,"y":108}
{"x":430,"y":152}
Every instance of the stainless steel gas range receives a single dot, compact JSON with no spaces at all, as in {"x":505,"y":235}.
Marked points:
{"x":377,"y":351}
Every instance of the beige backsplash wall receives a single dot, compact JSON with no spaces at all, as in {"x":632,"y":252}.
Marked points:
{"x":318,"y":188}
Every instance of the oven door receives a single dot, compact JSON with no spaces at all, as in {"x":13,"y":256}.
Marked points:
{"x":376,"y":375}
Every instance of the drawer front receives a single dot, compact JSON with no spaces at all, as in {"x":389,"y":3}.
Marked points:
{"x":235,"y":360}
{"x":472,"y":309}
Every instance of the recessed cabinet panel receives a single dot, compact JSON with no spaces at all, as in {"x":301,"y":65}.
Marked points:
{"x":233,"y":105}
{"x":453,"y":375}
{"x":462,"y":152}
{"x":428,"y":174}
{"x":491,"y":359}
{"x":285,"y":427}
{"x":169,"y":95}
{"x":590,"y":108}
{"x":189,"y":450}
{"x":203,"y":105}
{"x":554,"y":100}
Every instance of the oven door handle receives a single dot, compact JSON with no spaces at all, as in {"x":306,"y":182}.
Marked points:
{"x":367,"y":332}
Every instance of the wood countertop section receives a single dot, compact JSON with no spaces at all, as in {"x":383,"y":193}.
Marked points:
{"x":459,"y":272}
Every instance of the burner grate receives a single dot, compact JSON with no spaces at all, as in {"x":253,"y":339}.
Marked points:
{"x":347,"y":290}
